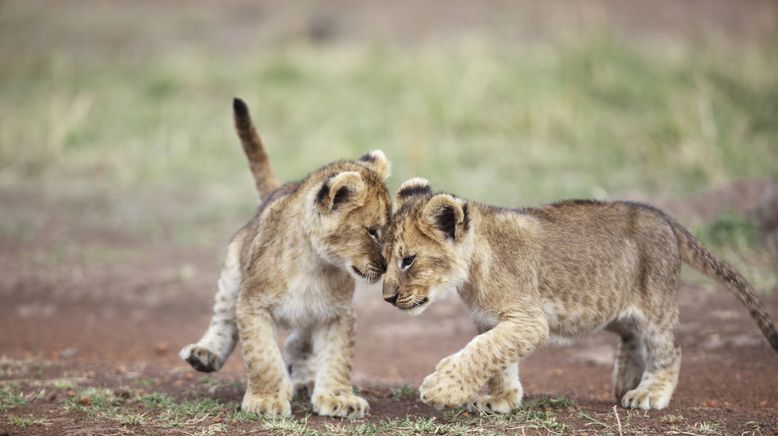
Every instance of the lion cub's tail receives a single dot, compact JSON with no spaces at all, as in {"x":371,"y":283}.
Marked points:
{"x":696,"y":255}
{"x":259,"y":162}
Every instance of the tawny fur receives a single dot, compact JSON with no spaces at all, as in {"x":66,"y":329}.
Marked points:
{"x":294,"y":265}
{"x":557,"y":271}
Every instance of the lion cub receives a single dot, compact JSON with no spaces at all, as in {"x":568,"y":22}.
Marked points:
{"x":557,"y":271}
{"x":294,"y":265}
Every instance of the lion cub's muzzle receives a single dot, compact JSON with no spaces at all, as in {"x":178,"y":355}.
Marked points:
{"x":405,"y":302}
{"x":373,"y":272}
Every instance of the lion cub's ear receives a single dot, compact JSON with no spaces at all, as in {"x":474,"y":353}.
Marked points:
{"x":446,"y":216}
{"x":411,"y":188}
{"x":377,"y":161}
{"x":346,"y":189}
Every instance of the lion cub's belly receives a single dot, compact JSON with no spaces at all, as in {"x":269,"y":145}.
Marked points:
{"x":568,"y":321}
{"x":306,"y":302}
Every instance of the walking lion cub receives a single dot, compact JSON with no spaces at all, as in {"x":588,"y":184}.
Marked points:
{"x":294,"y":265}
{"x":557,"y":271}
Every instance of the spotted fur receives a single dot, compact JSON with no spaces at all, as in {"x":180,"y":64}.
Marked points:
{"x":294,"y":265}
{"x":554,"y":272}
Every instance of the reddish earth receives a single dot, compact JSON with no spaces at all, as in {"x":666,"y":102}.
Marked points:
{"x":117,"y":318}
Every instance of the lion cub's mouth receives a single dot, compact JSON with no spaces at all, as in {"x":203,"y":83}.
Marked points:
{"x":414,"y":307}
{"x":369,"y":276}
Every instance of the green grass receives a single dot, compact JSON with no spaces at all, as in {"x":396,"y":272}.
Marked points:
{"x":11,"y":397}
{"x":403,"y":392}
{"x":25,"y":421}
{"x":590,"y":117}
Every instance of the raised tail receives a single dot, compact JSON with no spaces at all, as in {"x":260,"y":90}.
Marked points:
{"x":701,"y":259}
{"x":259,"y":162}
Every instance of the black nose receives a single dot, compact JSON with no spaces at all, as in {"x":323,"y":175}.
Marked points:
{"x":392,"y":299}
{"x":381,"y":264}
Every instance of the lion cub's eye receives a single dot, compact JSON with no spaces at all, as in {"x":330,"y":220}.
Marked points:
{"x":373,"y":234}
{"x":407,"y":262}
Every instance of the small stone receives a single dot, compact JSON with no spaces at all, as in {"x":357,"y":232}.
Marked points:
{"x":710,"y":404}
{"x":161,"y":347}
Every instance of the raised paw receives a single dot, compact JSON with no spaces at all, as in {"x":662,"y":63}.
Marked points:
{"x":444,"y":389}
{"x":501,"y":403}
{"x":201,"y":358}
{"x":340,"y":404}
{"x":645,"y":398}
{"x":266,"y":405}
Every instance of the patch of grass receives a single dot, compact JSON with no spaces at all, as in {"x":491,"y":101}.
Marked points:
{"x":735,"y":238}
{"x":131,"y":418}
{"x":11,"y":397}
{"x":25,"y":421}
{"x":711,"y":428}
{"x":289,"y":426}
{"x":730,"y":230}
{"x":403,"y":392}
{"x":63,"y":383}
{"x":155,"y":400}
{"x":93,"y":401}
{"x":549,"y":403}
{"x":202,"y":406}
{"x":208,"y":381}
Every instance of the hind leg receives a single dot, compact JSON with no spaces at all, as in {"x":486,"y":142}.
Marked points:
{"x":210,"y":352}
{"x":300,"y":361}
{"x":662,"y":366}
{"x":630,"y":362}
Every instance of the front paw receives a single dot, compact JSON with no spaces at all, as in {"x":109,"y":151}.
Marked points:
{"x":266,"y":405}
{"x":339,"y":404}
{"x":501,"y":403}
{"x":444,"y":389}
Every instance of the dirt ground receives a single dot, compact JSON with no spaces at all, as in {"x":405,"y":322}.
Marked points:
{"x":116,"y":321}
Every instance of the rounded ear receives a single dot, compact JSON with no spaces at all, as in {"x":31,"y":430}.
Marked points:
{"x":446,"y":216}
{"x":410,"y":188}
{"x":346,"y":189}
{"x":377,"y":161}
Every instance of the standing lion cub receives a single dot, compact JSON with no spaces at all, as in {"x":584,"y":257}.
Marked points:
{"x":560,"y":270}
{"x":294,"y":265}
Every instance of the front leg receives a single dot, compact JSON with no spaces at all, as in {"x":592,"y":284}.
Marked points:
{"x":458,"y":378}
{"x":333,"y":346}
{"x":503,"y":393}
{"x":268,"y":390}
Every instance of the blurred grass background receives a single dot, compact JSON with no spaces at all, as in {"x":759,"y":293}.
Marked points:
{"x":127,"y":105}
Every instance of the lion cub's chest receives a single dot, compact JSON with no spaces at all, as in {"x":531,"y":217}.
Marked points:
{"x":308,"y":301}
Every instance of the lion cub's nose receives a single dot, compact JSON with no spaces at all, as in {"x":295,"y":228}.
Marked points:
{"x":392,"y":299}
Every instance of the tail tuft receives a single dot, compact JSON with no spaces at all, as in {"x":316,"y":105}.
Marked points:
{"x":240,"y":108}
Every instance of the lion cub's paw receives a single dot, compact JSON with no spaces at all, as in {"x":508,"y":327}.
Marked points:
{"x":339,"y":404}
{"x":645,"y":398}
{"x":445,"y":387}
{"x":500,"y":403}
{"x":266,"y":405}
{"x":201,"y":358}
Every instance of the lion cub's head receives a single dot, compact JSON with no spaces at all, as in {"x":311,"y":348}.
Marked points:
{"x":423,"y":246}
{"x":351,"y":210}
